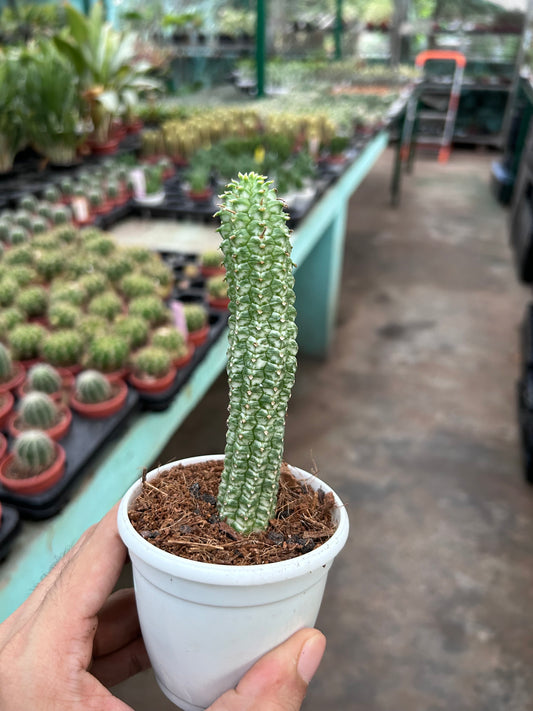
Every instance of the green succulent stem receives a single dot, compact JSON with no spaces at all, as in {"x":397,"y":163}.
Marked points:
{"x":262,"y":349}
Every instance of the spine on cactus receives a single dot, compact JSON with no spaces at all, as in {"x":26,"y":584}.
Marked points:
{"x":34,"y":451}
{"x":38,"y":410}
{"x":92,"y":387}
{"x":262,"y":349}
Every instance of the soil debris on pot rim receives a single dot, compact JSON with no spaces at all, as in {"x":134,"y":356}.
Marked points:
{"x":177,"y":512}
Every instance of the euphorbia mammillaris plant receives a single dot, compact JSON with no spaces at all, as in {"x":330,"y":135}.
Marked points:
{"x":262,"y":349}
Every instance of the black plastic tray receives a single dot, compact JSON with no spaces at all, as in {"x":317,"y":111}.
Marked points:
{"x":9,"y":527}
{"x":84,"y":439}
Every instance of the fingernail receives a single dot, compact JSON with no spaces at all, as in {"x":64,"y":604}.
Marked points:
{"x":311,"y":656}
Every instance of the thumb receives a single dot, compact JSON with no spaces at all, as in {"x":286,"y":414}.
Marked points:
{"x":279,"y":679}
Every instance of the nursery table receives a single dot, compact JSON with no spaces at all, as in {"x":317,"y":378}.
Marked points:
{"x":318,"y":253}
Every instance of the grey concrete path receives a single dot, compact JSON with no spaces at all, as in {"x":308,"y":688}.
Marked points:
{"x":412,"y":420}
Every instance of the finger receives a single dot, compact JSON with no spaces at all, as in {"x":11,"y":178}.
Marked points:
{"x":279,"y":680}
{"x":29,"y":607}
{"x":118,"y":623}
{"x":118,"y":666}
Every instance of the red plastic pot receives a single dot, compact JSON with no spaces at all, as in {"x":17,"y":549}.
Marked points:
{"x":201,"y":195}
{"x":17,"y":378}
{"x":212,"y":271}
{"x":33,"y":484}
{"x":56,"y":432}
{"x":221,"y":303}
{"x":182,"y":361}
{"x":153,"y":385}
{"x":6,"y":406}
{"x":134,"y":126}
{"x":104,"y":149}
{"x":104,"y":409}
{"x":3,"y":447}
{"x":199,"y":336}
{"x":118,"y":375}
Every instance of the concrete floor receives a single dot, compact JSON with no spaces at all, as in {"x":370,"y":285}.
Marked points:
{"x":412,"y":421}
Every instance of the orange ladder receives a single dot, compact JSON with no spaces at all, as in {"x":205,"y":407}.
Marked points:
{"x":448,"y":117}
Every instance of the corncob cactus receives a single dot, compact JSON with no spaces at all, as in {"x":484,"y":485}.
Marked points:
{"x":108,"y":353}
{"x":92,"y":387}
{"x":152,"y":362}
{"x":44,"y":378}
{"x":171,"y":340}
{"x":26,"y":340}
{"x":262,"y":349}
{"x":195,"y":316}
{"x":37,"y":411}
{"x":6,"y":364}
{"x":133,"y":328}
{"x":63,"y":348}
{"x":34,"y":452}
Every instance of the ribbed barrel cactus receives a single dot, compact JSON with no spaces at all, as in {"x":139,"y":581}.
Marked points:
{"x":38,"y":411}
{"x":195,"y":316}
{"x":262,"y":349}
{"x":34,"y":452}
{"x":92,"y":387}
{"x":6,"y":364}
{"x":108,"y":353}
{"x":44,"y":378}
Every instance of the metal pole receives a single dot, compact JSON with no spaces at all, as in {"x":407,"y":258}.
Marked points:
{"x":260,"y":46}
{"x":338,"y":31}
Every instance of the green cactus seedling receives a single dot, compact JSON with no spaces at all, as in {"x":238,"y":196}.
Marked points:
{"x":92,"y":326}
{"x":37,"y":411}
{"x":151,"y":308}
{"x":33,"y":301}
{"x":108,"y":353}
{"x":18,"y":235}
{"x":212,"y":258}
{"x":23,"y":275}
{"x":8,"y":291}
{"x":108,"y":304}
{"x":117,"y":266}
{"x":26,"y":340}
{"x":70,"y":292}
{"x":63,"y":348}
{"x":52,"y":194}
{"x":5,"y":230}
{"x":38,"y":226}
{"x":21,"y":254}
{"x":171,"y":340}
{"x":195,"y":316}
{"x":34,"y":452}
{"x":44,"y":378}
{"x":29,"y":203}
{"x":262,"y":349}
{"x":9,"y":318}
{"x":152,"y":362}
{"x":217,"y":287}
{"x":133,"y":328}
{"x":61,"y":215}
{"x":92,"y":387}
{"x":44,"y":209}
{"x":63,"y":315}
{"x":6,"y":364}
{"x":23,"y":218}
{"x":135,"y":285}
{"x":93,"y":284}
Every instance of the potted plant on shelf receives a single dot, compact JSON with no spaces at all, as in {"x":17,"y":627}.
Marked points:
{"x":152,"y":370}
{"x":25,"y":342}
{"x":199,"y":184}
{"x":174,"y":343}
{"x":37,"y":411}
{"x":153,"y":190}
{"x":211,"y":263}
{"x":217,"y":292}
{"x":44,"y":378}
{"x":35,"y":464}
{"x":196,"y":318}
{"x":208,"y":648}
{"x":6,"y":406}
{"x":109,"y":354}
{"x":64,"y":350}
{"x":94,"y":396}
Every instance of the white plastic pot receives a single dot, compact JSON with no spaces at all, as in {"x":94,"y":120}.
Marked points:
{"x":204,"y":625}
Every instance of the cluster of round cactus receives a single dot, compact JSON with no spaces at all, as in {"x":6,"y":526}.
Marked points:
{"x":92,"y":387}
{"x":34,"y":452}
{"x":38,"y":411}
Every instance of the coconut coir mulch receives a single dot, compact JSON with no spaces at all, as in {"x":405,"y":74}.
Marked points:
{"x":177,"y":512}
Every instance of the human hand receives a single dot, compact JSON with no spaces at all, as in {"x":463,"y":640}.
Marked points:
{"x":71,"y":639}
